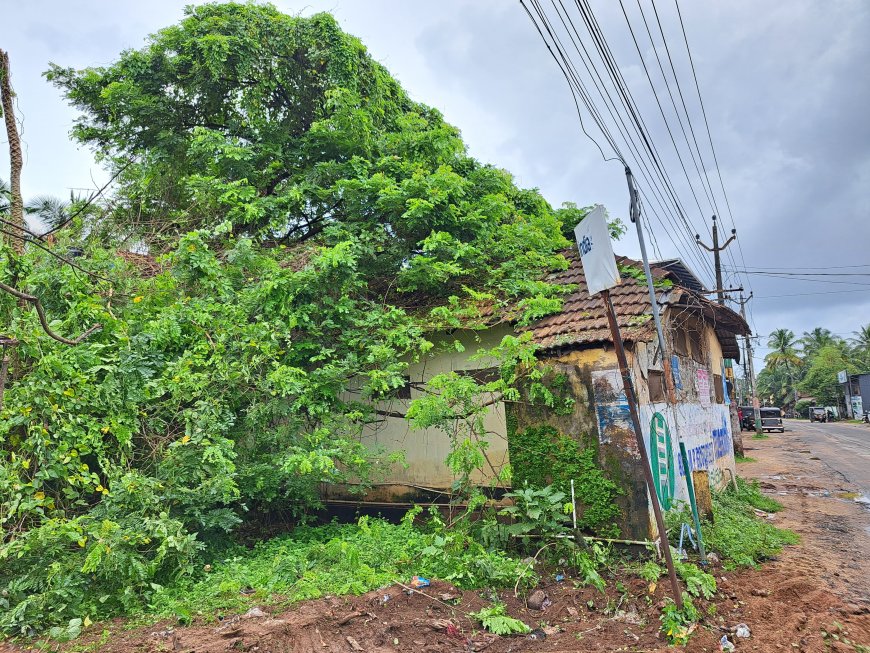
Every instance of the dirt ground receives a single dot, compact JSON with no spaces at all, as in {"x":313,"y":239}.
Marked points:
{"x":814,"y":597}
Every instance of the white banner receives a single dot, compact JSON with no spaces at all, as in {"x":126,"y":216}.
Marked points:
{"x":596,"y":251}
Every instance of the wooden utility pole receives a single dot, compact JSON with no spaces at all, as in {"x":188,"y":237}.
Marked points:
{"x":635,"y":419}
{"x":717,"y":263}
{"x":16,"y":161}
{"x":748,"y":353}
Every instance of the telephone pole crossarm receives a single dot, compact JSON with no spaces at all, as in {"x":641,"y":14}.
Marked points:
{"x":717,"y":249}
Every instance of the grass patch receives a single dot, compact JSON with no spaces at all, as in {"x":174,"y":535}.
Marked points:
{"x":749,"y":492}
{"x":761,"y":436}
{"x":744,"y":459}
{"x":336,"y":559}
{"x":738,"y":535}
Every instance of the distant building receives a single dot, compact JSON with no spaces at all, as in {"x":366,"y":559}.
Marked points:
{"x":857,"y":393}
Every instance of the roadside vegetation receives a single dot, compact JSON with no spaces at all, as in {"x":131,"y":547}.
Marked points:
{"x":286,"y":230}
{"x":809,"y":365}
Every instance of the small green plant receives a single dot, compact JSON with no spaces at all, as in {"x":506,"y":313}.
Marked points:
{"x":698,"y":582}
{"x":650,"y":571}
{"x":588,"y":561}
{"x":537,"y":511}
{"x":744,"y":459}
{"x":495,"y":620}
{"x":678,"y":625}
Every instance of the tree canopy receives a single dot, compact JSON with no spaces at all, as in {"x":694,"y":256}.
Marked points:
{"x":308,"y":228}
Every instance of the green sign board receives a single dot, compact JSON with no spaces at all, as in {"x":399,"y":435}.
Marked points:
{"x":661,"y":459}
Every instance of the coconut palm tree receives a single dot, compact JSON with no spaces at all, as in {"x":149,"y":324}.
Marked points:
{"x":813,"y":341}
{"x":861,"y":344}
{"x":51,"y":210}
{"x":783,"y":351}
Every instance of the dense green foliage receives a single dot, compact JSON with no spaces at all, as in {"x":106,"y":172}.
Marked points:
{"x":809,"y":365}
{"x":543,"y":456}
{"x":821,"y":378}
{"x":738,"y":535}
{"x":316,"y":226}
{"x":311,"y":562}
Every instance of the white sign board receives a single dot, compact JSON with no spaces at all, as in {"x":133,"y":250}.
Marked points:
{"x":596,"y":251}
{"x":841,"y":377}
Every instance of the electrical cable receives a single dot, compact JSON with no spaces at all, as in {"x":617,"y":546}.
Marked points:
{"x":617,"y":119}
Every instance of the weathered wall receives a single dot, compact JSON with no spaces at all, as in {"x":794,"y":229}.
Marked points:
{"x":588,"y":372}
{"x":426,"y":450}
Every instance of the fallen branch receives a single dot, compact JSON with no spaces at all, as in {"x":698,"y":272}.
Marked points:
{"x":40,"y":311}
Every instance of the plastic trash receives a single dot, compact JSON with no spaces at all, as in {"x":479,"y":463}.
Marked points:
{"x":560,"y":578}
{"x":742,"y":630}
{"x":537,"y":633}
{"x":418,"y":581}
{"x":725,"y":645}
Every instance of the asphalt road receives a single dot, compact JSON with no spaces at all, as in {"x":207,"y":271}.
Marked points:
{"x":845,"y":448}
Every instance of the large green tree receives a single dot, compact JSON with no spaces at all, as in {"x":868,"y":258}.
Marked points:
{"x":820,"y":381}
{"x":317,"y":225}
{"x":814,"y":341}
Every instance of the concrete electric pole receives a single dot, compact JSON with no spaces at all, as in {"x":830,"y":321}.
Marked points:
{"x":716,"y":248}
{"x":748,"y":347}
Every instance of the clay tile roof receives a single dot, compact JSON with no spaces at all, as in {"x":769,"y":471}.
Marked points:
{"x":583,"y":319}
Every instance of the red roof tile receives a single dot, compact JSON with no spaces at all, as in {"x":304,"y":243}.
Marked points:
{"x":583,"y":319}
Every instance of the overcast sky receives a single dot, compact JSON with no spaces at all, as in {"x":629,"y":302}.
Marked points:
{"x":785,"y":86}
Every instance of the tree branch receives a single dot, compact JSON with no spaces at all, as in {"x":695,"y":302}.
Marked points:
{"x":40,"y":311}
{"x":15,"y":158}
{"x":60,"y":258}
{"x":89,"y":201}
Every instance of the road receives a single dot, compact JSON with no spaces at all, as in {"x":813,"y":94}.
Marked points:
{"x":844,"y":448}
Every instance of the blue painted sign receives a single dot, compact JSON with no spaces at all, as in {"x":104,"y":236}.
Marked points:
{"x":675,"y":369}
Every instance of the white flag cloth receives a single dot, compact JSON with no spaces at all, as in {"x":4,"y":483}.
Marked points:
{"x":596,"y":251}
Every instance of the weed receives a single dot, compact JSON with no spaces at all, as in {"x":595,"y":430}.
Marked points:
{"x":337,"y":559}
{"x":737,"y":534}
{"x":698,"y":583}
{"x":537,"y":511}
{"x":678,"y":625}
{"x":744,"y":459}
{"x":495,"y":620}
{"x":650,"y":571}
{"x":749,"y":492}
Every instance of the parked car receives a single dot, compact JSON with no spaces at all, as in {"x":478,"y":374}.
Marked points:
{"x":771,"y":419}
{"x":747,"y":418}
{"x":818,"y":414}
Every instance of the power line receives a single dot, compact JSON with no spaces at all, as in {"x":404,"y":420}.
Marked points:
{"x":707,"y":126}
{"x":615,"y":116}
{"x":619,"y":83}
{"x":808,"y":274}
{"x":558,"y":52}
{"x":809,"y":267}
{"x":805,"y":294}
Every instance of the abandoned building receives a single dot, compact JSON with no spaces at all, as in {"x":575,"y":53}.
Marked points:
{"x":576,"y":345}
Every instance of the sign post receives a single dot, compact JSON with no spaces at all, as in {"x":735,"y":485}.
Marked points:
{"x":601,"y":273}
